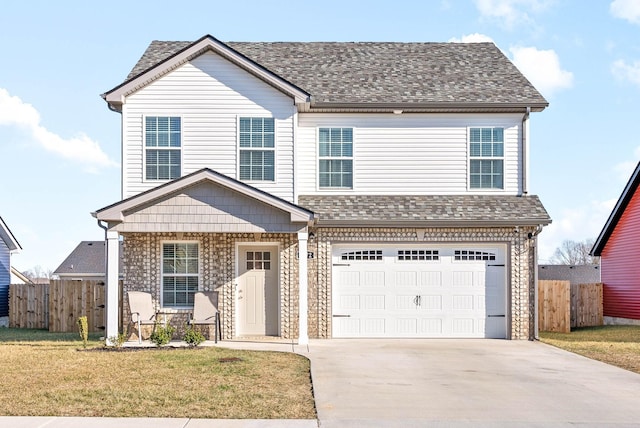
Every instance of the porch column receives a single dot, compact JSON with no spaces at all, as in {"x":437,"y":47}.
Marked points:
{"x":303,"y":336}
{"x":112,"y":310}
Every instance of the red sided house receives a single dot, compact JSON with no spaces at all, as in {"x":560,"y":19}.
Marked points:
{"x":618,"y":246}
{"x":328,"y":190}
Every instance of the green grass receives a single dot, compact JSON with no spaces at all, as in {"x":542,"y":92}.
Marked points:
{"x":51,"y":374}
{"x":617,"y":345}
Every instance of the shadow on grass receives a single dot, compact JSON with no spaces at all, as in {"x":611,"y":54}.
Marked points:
{"x":39,"y":335}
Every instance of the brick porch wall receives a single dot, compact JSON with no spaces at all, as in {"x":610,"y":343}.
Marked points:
{"x":142,"y":262}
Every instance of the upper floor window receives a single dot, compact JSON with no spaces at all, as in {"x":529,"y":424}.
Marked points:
{"x":163,"y":139}
{"x":180,"y":275}
{"x":257,"y":148}
{"x":486,"y":158}
{"x":335,"y":157}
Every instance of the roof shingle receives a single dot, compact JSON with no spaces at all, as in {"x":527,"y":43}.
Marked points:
{"x":376,"y":72}
{"x":458,"y":210}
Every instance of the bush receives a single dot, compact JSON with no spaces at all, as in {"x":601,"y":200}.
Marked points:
{"x":193,"y":337}
{"x":162,"y":335}
{"x":117,"y":341}
{"x":83,"y":327}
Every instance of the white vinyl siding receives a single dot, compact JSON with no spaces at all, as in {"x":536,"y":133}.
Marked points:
{"x":409,"y":153}
{"x":209,"y":94}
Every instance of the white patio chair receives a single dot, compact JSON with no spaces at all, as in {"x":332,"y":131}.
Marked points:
{"x":205,"y":311}
{"x":141,"y":308}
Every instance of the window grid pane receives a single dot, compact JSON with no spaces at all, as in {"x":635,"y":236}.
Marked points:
{"x":179,"y":273}
{"x":257,"y":133}
{"x":163,"y":137}
{"x":485,"y":145}
{"x":335,"y":149}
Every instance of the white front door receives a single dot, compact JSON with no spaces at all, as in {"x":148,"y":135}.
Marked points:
{"x":257,"y":294}
{"x":426,"y":290}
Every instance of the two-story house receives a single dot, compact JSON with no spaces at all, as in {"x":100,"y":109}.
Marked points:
{"x":329,"y":189}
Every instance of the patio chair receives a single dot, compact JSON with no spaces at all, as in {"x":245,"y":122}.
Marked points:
{"x":141,"y":308}
{"x":205,"y":311}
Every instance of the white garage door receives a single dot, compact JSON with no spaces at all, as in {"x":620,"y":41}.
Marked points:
{"x":419,"y":291}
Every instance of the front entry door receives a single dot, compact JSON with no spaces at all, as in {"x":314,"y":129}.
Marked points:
{"x":257,"y":294}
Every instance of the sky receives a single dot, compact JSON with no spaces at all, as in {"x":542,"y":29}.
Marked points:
{"x":60,"y":144}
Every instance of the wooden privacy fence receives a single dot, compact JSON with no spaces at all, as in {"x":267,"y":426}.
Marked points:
{"x":29,"y":306}
{"x":562,"y":305}
{"x":58,"y":305}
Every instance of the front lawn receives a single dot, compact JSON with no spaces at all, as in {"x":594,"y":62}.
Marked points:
{"x":51,"y":374}
{"x":617,"y":345}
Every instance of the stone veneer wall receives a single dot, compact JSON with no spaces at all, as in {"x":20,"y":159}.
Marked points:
{"x":520,"y":267}
{"x":142,"y":262}
{"x":142,"y":252}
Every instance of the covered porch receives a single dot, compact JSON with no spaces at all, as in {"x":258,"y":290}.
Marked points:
{"x":208,"y":232}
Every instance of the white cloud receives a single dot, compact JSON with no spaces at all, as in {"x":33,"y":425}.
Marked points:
{"x":626,"y":9}
{"x":81,"y":149}
{"x":576,"y":224}
{"x":472,"y":38}
{"x":624,"y":71}
{"x":542,"y":68}
{"x":510,"y":12}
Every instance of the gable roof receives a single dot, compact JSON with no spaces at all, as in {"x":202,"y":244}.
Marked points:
{"x":115,"y":213}
{"x":87,"y":259}
{"x":8,"y":238}
{"x":433,"y":210}
{"x":416,"y":76}
{"x":616,"y":214}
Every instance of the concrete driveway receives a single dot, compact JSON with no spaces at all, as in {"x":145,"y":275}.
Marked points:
{"x":466,"y":383}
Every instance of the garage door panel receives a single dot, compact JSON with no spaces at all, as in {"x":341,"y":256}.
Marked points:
{"x":374,"y":303}
{"x":349,"y":278}
{"x":374,"y":279}
{"x":431,"y":279}
{"x":404,"y":291}
{"x":406,"y":279}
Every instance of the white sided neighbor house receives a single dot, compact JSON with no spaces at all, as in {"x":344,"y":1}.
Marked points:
{"x":328,"y":190}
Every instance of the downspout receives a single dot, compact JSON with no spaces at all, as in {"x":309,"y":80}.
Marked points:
{"x":533,"y":237}
{"x":525,"y":151}
{"x":295,"y":154}
{"x":105,"y":228}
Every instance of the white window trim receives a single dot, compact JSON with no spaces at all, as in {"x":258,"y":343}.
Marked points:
{"x":144,"y":147}
{"x":275,"y":148}
{"x":353,"y":160}
{"x":503,"y":158}
{"x":199,"y":274}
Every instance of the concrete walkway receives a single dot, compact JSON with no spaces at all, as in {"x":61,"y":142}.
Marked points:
{"x":432,"y":383}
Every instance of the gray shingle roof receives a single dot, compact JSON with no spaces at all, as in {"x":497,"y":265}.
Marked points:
{"x":88,"y":258}
{"x":576,"y":274}
{"x":435,"y":209}
{"x":374,"y":72}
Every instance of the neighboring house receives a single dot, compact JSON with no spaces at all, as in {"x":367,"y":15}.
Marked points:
{"x":86,"y":262}
{"x":617,"y":246}
{"x":575,"y":274}
{"x":8,"y":245}
{"x":329,"y":189}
